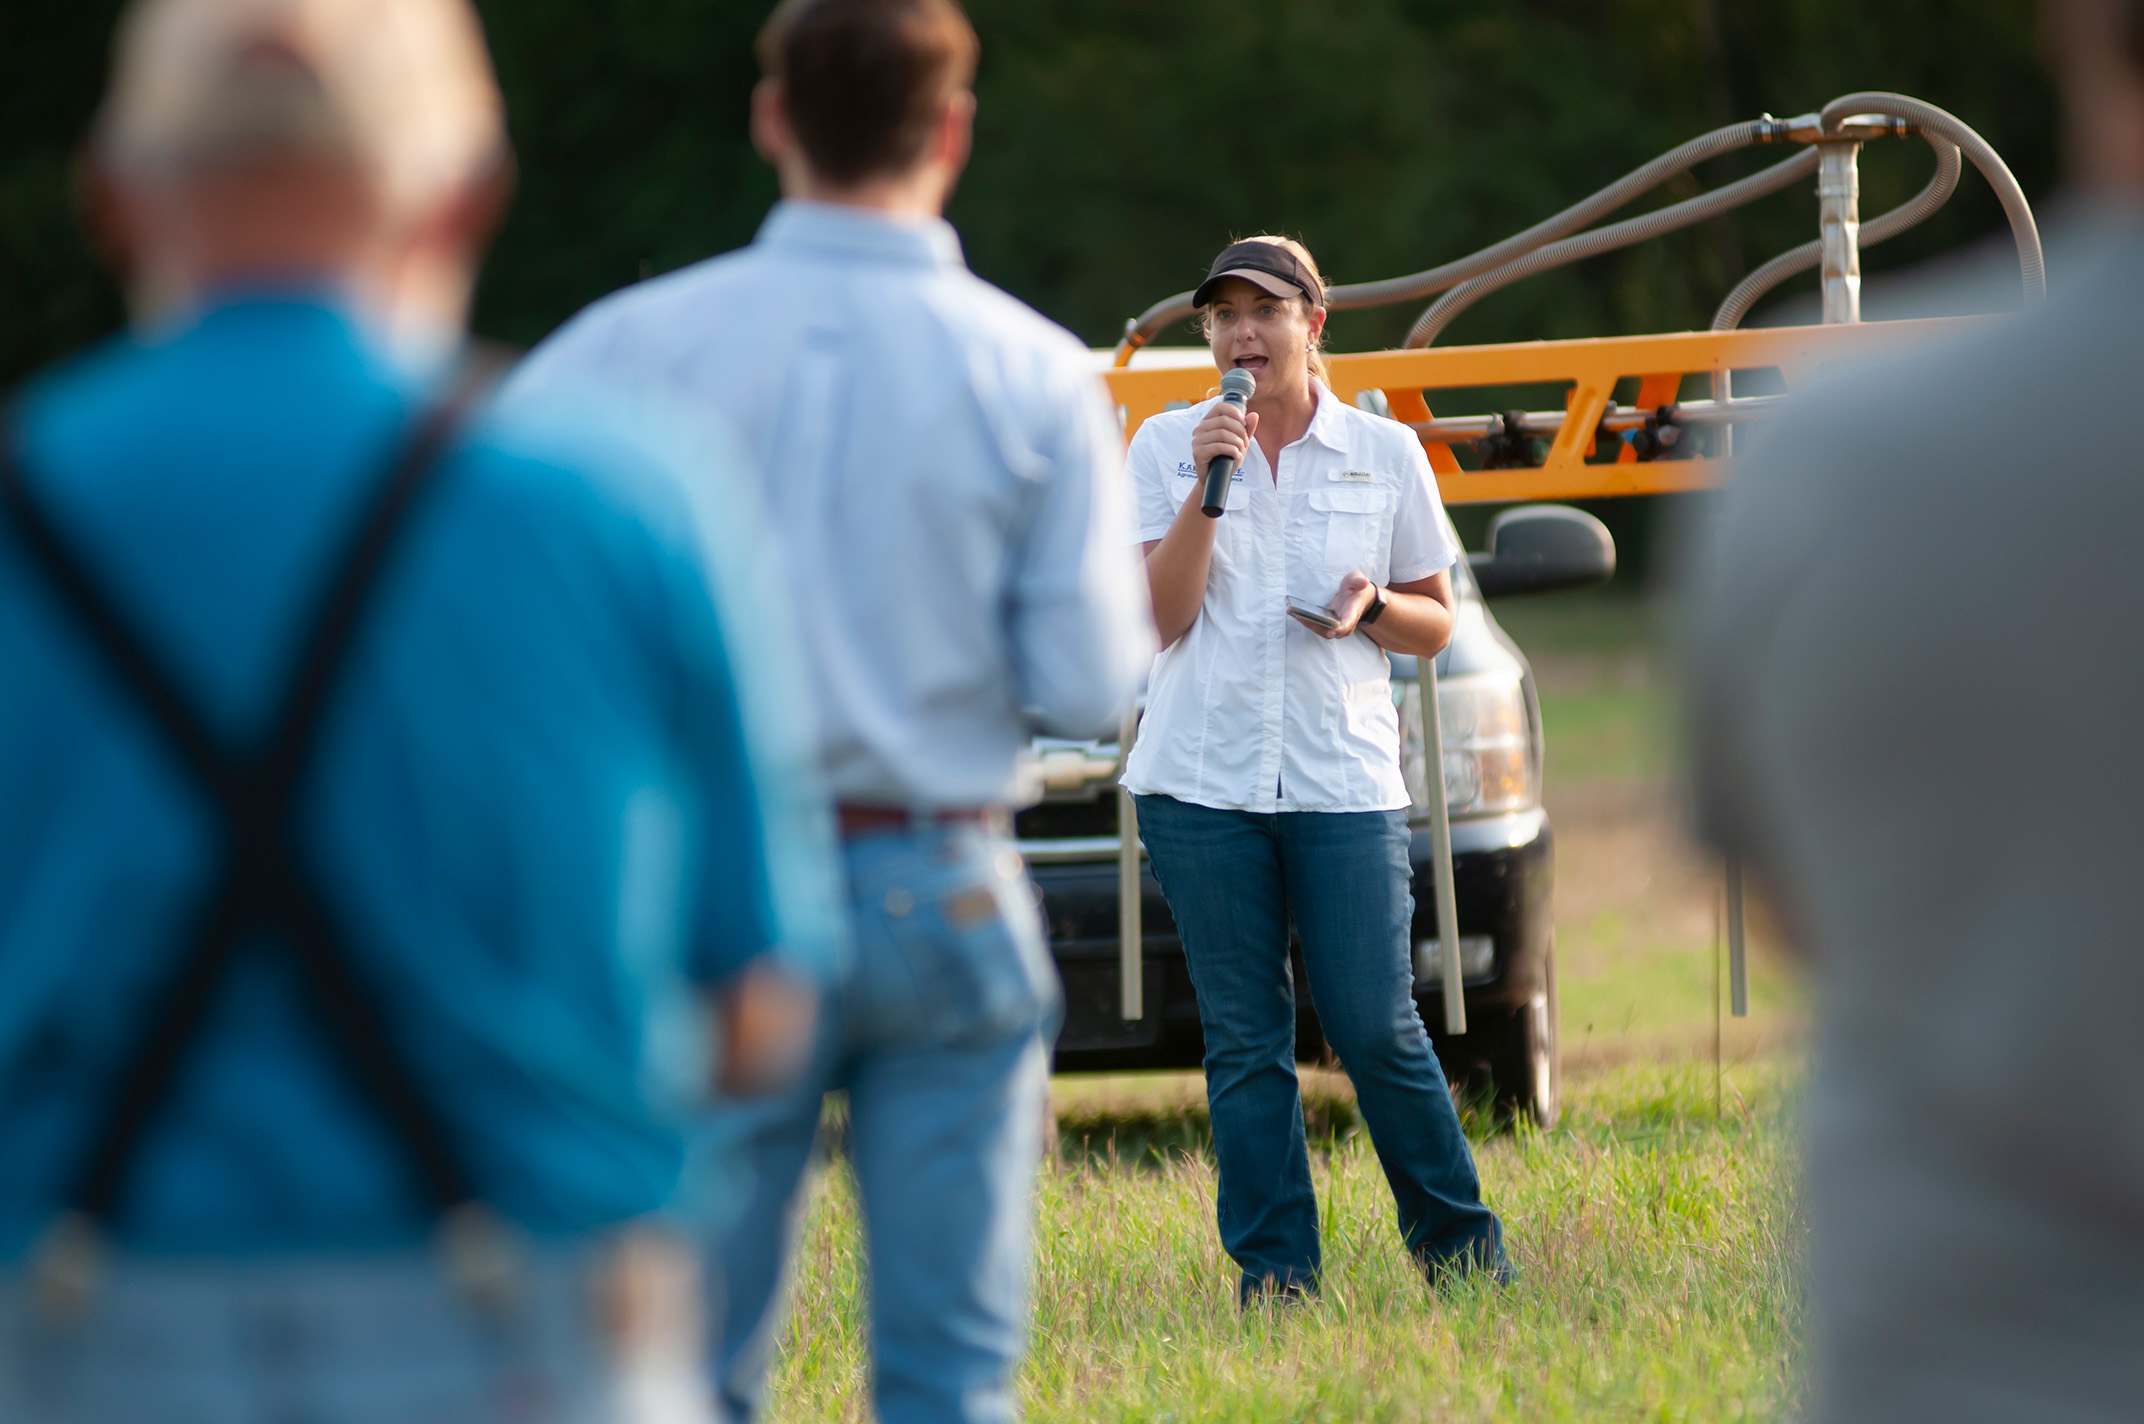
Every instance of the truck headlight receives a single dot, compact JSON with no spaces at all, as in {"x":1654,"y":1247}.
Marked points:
{"x":1488,"y":756}
{"x":1477,"y":959}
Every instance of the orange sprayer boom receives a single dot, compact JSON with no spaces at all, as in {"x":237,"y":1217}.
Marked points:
{"x":1591,"y":368}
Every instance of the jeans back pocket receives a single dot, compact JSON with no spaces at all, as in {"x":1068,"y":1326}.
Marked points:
{"x":952,"y":948}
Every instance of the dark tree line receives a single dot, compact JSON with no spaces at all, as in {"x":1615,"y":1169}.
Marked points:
{"x":1122,"y":141}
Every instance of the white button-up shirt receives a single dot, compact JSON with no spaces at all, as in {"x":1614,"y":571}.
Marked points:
{"x":941,"y":467}
{"x":1250,"y":710}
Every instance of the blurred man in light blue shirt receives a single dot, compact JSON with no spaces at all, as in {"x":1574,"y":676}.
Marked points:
{"x":945,"y":479}
{"x":387,"y":789}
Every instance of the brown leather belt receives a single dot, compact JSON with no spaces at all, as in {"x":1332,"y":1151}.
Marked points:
{"x":856,"y":820}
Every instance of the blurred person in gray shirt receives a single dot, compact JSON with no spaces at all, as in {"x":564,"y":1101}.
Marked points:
{"x":945,"y":480}
{"x":1920,"y":686}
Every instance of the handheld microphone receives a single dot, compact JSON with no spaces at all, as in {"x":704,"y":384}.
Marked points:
{"x":1237,"y":387}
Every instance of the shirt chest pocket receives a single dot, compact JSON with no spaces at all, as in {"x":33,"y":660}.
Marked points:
{"x":1354,"y":520}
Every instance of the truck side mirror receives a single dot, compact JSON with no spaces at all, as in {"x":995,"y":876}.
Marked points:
{"x":1540,"y":548}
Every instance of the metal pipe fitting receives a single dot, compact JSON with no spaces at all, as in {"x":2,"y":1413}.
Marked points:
{"x":1838,"y":225}
{"x":1802,"y":128}
{"x":1918,"y":209}
{"x":2032,"y":263}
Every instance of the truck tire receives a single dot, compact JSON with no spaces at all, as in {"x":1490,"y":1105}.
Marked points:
{"x":1506,"y":1063}
{"x":1522,"y":1056}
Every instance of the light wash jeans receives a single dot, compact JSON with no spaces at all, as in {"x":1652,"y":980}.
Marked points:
{"x":358,"y":1340}
{"x":941,"y":1036}
{"x":1234,"y":880}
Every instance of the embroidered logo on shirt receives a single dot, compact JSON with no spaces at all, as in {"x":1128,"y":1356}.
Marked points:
{"x":1360,"y":476}
{"x":1191,"y":472}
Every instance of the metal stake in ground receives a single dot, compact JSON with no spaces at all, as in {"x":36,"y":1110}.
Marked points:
{"x":1440,"y":840}
{"x":1131,"y":931}
{"x":1718,"y":1110}
{"x":1838,"y":197}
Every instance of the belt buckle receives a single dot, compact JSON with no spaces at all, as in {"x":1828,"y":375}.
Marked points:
{"x":67,"y":1266}
{"x":647,"y":1304}
{"x":482,"y":1256}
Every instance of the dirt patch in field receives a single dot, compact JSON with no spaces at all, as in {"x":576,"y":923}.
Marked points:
{"x":1640,"y":929}
{"x":1622,"y":855}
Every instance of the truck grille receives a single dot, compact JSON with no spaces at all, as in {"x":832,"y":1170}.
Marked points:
{"x":1062,"y":820}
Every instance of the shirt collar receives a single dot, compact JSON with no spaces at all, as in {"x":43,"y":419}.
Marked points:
{"x":858,"y":233}
{"x":286,"y":306}
{"x":1326,"y":421}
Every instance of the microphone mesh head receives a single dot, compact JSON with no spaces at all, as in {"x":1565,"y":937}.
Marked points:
{"x":1238,"y":382}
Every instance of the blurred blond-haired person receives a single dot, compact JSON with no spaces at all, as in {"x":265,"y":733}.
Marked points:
{"x":388,"y":793}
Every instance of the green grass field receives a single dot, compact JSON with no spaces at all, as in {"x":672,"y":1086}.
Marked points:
{"x":1655,"y":1228}
{"x":1656,"y":1243}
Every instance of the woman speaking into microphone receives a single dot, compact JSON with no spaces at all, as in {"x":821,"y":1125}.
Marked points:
{"x":1267,"y":770}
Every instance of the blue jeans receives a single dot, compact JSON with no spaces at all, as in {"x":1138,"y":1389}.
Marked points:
{"x":941,"y":1036}
{"x":1233,"y":880}
{"x":359,"y":1339}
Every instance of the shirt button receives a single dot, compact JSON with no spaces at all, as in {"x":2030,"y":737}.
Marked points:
{"x":899,"y":902}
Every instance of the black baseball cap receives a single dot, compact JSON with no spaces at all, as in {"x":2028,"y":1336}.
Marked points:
{"x":1267,"y":266}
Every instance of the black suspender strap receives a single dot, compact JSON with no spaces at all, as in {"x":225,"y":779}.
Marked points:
{"x":262,"y":887}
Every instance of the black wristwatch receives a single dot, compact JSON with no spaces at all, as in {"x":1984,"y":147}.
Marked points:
{"x":1376,"y":610}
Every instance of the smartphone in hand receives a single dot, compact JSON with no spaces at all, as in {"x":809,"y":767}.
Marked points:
{"x":1316,"y":617}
